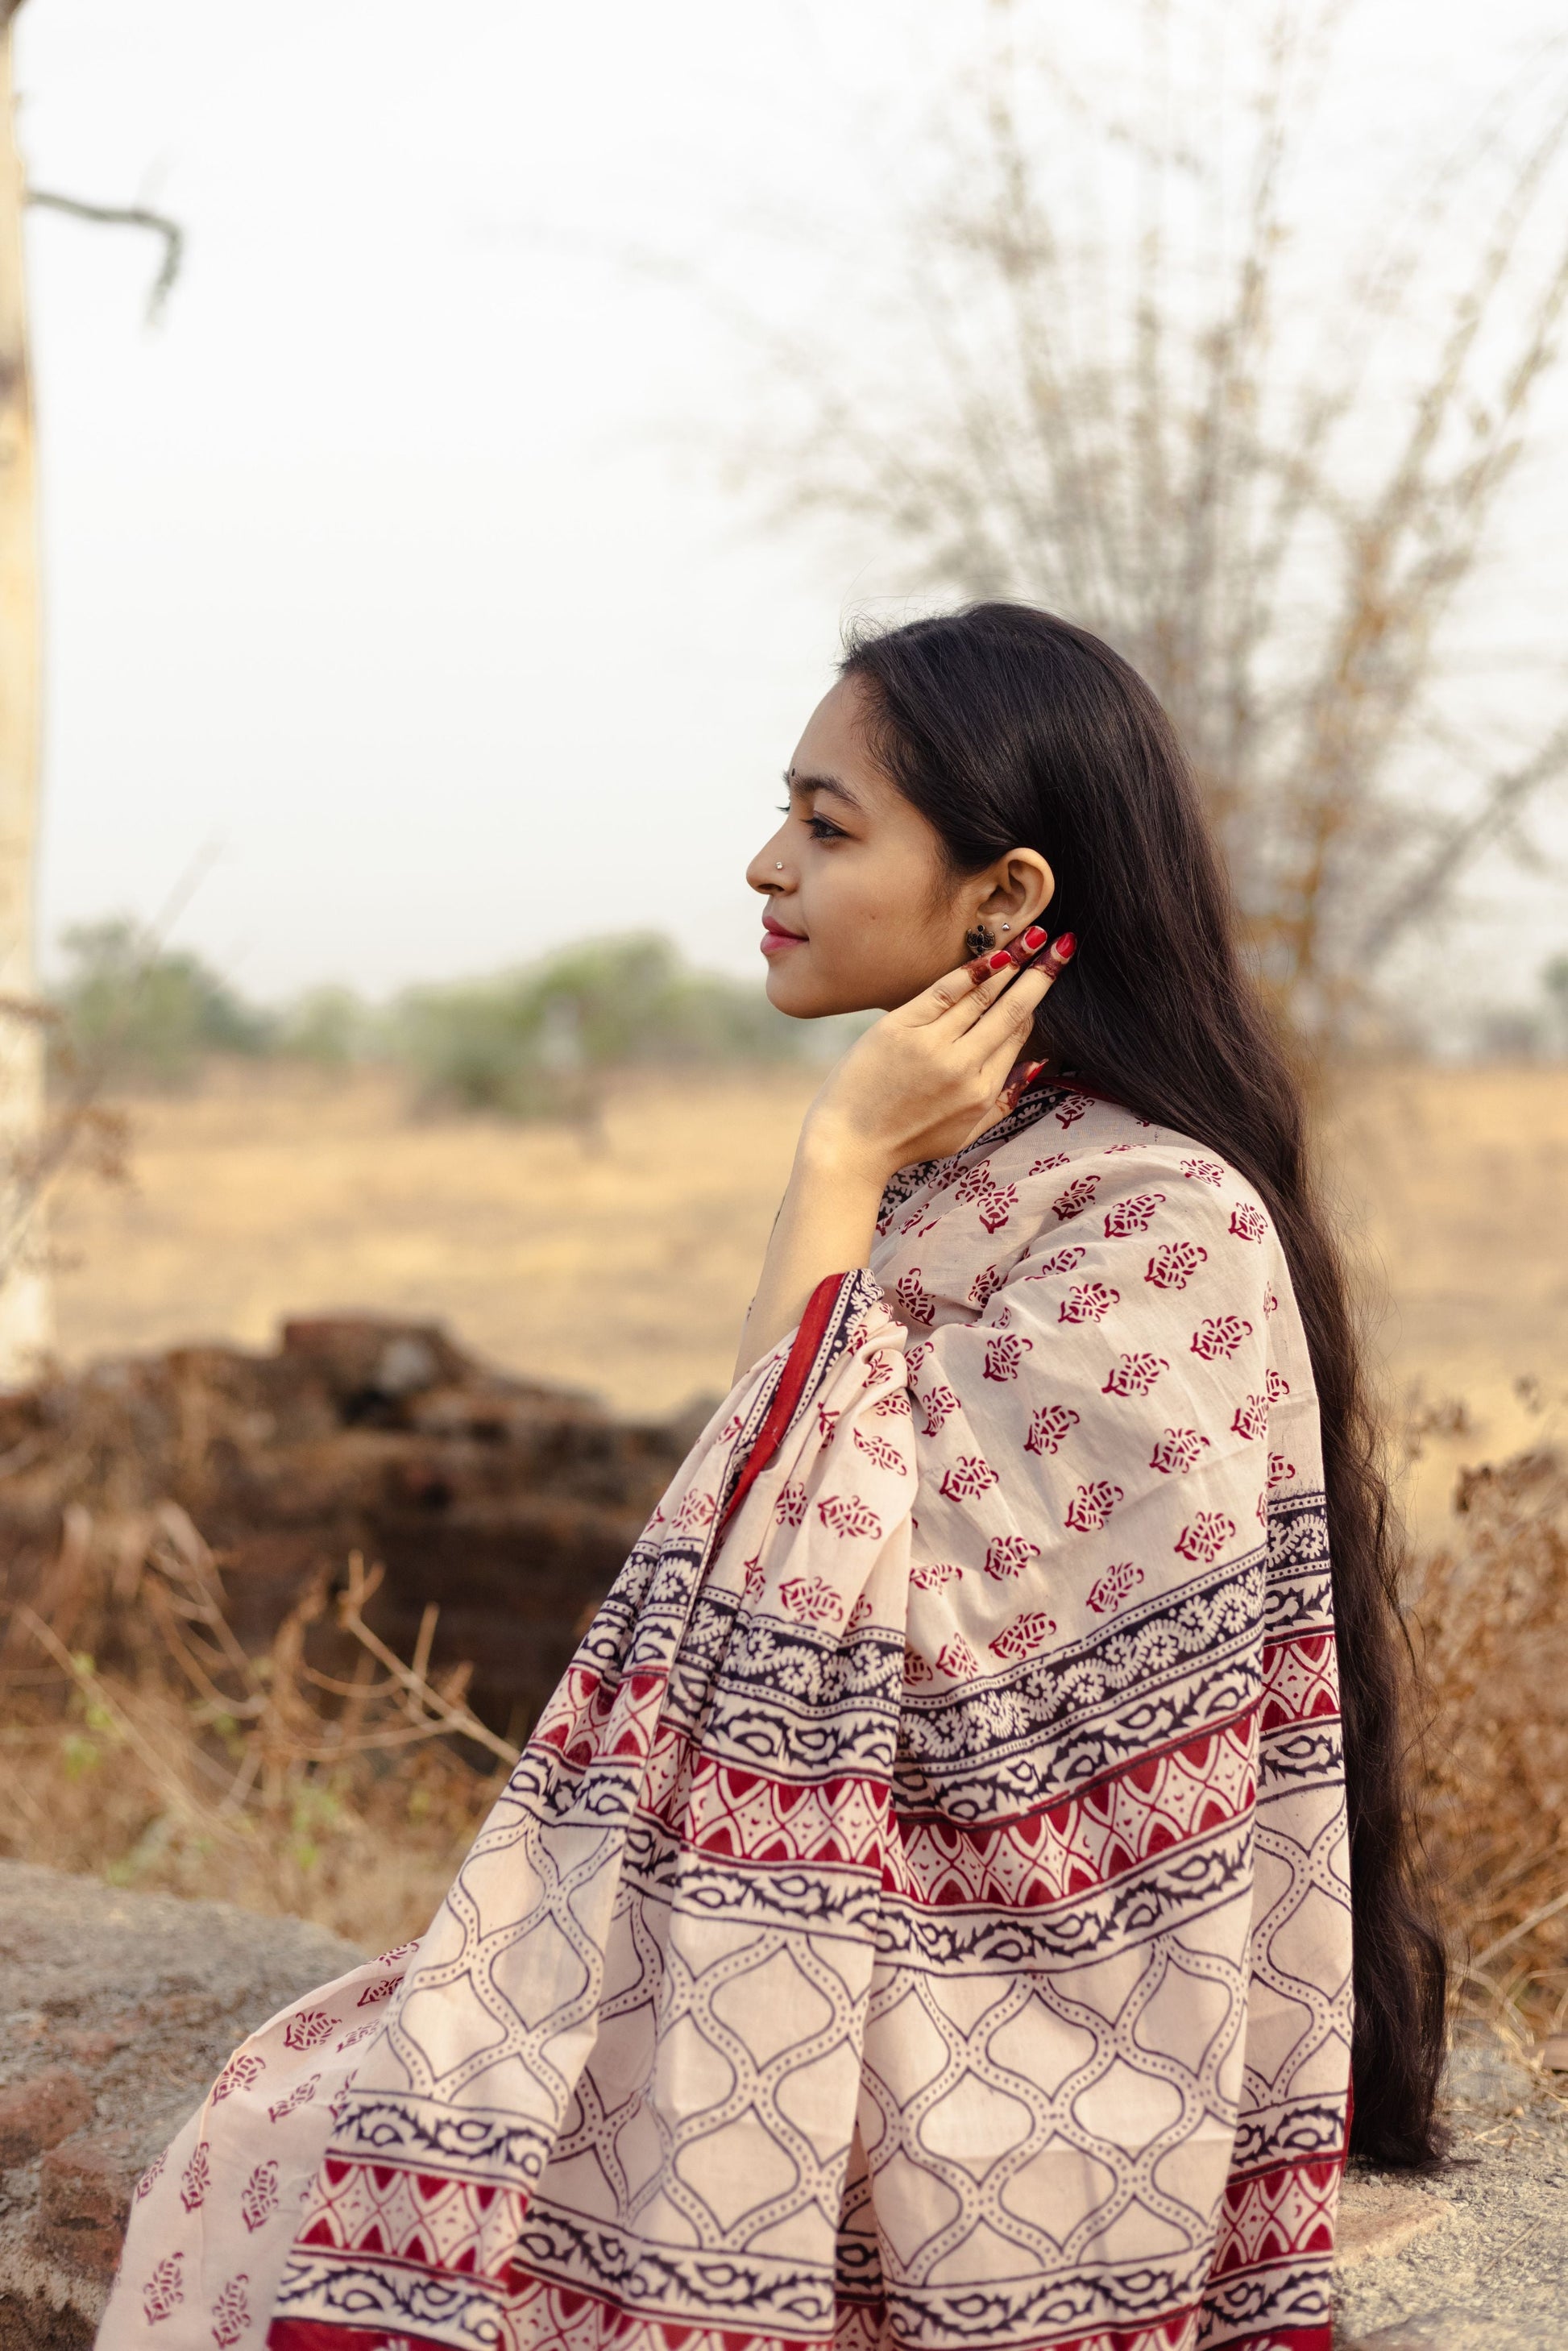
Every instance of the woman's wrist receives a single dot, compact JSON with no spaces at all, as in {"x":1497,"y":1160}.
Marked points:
{"x":830,"y":1153}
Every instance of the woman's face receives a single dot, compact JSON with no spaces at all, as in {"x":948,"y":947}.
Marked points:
{"x":862,"y":912}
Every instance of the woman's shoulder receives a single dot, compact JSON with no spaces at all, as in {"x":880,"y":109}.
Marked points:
{"x":1111,"y":1152}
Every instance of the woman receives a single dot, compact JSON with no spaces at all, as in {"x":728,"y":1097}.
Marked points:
{"x":924,"y":1914}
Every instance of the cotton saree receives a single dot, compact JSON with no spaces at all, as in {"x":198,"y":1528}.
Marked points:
{"x":920,"y":1918}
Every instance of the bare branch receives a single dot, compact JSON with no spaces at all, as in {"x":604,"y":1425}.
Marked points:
{"x":127,"y":216}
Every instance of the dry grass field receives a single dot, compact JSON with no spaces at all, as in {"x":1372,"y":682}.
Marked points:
{"x":622,"y":1262}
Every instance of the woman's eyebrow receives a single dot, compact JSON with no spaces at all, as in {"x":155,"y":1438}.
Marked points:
{"x":823,"y":784}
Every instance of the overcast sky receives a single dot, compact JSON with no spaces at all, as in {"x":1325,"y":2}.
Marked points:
{"x":376,"y":584}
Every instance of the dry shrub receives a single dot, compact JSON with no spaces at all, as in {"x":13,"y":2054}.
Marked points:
{"x":192,"y":1768}
{"x":1489,"y":1614}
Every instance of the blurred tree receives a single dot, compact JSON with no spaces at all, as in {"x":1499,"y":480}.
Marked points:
{"x":141,"y":1011}
{"x":530,"y":1042}
{"x":1111,"y":375}
{"x":32,"y":1150}
{"x":26,"y":1320}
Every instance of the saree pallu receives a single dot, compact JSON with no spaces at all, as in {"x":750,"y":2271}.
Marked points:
{"x":921,"y":1916}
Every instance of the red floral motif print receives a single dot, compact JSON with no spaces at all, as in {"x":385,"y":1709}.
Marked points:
{"x":1078,"y":1197}
{"x":916,"y":1302}
{"x":1092,"y":1505}
{"x":912,"y":1220}
{"x":1205,"y":1171}
{"x":731,"y":1429}
{"x":847,"y":1515}
{"x":1207,"y":1537}
{"x":1132,"y":1216}
{"x":1271,"y":1303}
{"x":196,"y":2179}
{"x":1111,"y":1148}
{"x":1088,"y":1301}
{"x":975,"y":1183}
{"x":1024,"y":1636}
{"x":997,"y":1206}
{"x":1247,"y":1223}
{"x":1279,"y":1468}
{"x":697,"y":1511}
{"x":916,"y":1356}
{"x":985,"y":1286}
{"x":1251,"y":1418}
{"x":1177,"y":1451}
{"x":878,"y":1371}
{"x":308,"y":2029}
{"x":350,"y":2041}
{"x":1221,"y":1334}
{"x":382,"y":1990}
{"x":164,"y":2289}
{"x":1113,"y":1587}
{"x":755,"y":1581}
{"x":813,"y":1597}
{"x":957,"y":1659}
{"x":231,"y":2312}
{"x":1173,"y":1267}
{"x":238,"y":2073}
{"x":859,"y":1615}
{"x":1066,"y":1261}
{"x":1056,"y":1159}
{"x":971,"y":1473}
{"x":827,"y":1422}
{"x":1134,"y":1375}
{"x":301,"y":2095}
{"x":259,"y":2200}
{"x":932,"y":1573}
{"x":789,"y":1510}
{"x":878,"y":1449}
{"x":1004,"y":1356}
{"x":1277,"y":1386}
{"x":1050,"y":1425}
{"x":1008,"y":1555}
{"x":938,"y":1407}
{"x":893,"y":1406}
{"x":148,"y":2178}
{"x":399,"y":1951}
{"x":915,"y":1670}
{"x":1075,"y":1107}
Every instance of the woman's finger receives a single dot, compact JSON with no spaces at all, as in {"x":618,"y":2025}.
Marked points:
{"x":975,"y":986}
{"x":986,"y":1000}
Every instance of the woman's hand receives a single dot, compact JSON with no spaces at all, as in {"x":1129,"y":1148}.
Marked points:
{"x":922,"y":1083}
{"x":935,"y":1073}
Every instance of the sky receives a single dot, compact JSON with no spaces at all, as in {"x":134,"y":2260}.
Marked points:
{"x":401,"y":622}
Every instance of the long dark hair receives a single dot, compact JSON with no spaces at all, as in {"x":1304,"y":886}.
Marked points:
{"x":1007,"y":728}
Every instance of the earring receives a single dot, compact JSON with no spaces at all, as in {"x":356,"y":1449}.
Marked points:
{"x":1007,"y":926}
{"x":978,"y":939}
{"x":780,"y":867}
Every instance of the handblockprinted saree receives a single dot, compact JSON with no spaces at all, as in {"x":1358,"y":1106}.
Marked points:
{"x":920,"y":1918}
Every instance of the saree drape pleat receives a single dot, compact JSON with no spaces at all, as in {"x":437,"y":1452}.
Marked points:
{"x":921,"y":1916}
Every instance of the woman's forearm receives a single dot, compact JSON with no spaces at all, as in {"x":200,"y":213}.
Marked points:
{"x":826,"y":1224}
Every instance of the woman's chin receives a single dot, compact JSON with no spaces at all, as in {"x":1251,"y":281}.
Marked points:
{"x":796,"y":993}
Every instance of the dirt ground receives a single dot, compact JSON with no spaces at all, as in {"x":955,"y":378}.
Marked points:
{"x":622,"y":1262}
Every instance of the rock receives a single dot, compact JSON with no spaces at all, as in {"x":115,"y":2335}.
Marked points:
{"x":146,"y":1996}
{"x":1377,"y":2214}
{"x":36,"y":2113}
{"x":84,"y":2202}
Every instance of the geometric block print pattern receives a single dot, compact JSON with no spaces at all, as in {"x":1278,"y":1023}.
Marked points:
{"x":919,"y":1916}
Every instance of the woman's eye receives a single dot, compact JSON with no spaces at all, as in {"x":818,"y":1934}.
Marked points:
{"x":820,"y":830}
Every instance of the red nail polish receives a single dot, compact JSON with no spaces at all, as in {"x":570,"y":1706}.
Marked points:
{"x":1000,"y":961}
{"x":1034,"y":938}
{"x":1066,"y":947}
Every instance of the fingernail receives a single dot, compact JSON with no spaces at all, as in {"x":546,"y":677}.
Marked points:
{"x":1034,"y":938}
{"x":1000,"y":961}
{"x":1066,"y":947}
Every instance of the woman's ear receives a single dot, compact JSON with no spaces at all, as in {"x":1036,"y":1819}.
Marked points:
{"x":1015,"y":892}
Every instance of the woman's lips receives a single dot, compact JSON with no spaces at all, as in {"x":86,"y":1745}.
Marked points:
{"x":776,"y":939}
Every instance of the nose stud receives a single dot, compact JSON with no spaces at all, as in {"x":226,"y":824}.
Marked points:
{"x":780,"y":867}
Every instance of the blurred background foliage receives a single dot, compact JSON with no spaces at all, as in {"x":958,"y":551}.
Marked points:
{"x":524,"y":1043}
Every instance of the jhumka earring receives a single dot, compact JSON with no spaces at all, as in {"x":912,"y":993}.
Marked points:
{"x":978,"y":939}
